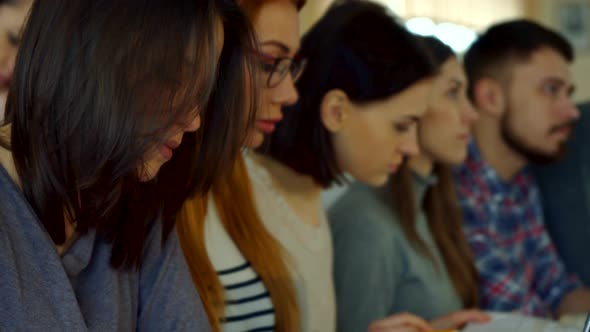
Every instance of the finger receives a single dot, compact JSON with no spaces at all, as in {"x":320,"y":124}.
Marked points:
{"x":403,"y":319}
{"x":459,"y":318}
{"x":398,"y":328}
{"x":472,"y":315}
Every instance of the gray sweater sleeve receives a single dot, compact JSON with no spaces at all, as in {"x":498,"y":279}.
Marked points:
{"x":365,"y":270}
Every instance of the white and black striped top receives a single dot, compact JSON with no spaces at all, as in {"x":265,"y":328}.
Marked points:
{"x":248,"y":305}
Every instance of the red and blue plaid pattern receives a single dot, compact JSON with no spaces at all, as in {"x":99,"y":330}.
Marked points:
{"x":518,"y":265}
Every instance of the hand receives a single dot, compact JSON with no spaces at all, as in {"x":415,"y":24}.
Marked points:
{"x":458,"y":319}
{"x":403,"y":322}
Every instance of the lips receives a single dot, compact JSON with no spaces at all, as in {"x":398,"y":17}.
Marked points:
{"x":393,"y":168}
{"x":463,"y":137}
{"x":172,"y":144}
{"x":563,"y":133}
{"x":166,"y":149}
{"x":267,"y":126}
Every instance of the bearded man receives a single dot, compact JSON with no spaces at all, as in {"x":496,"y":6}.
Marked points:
{"x":521,"y":85}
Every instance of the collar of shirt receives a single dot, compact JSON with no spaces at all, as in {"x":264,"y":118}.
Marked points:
{"x":486,"y":176}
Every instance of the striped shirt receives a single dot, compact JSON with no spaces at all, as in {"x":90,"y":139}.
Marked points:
{"x":248,"y":305}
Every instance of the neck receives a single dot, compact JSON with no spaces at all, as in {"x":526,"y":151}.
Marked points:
{"x":290,"y":181}
{"x":421,"y":165}
{"x":495,"y":151}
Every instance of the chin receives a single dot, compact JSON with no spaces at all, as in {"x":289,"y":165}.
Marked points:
{"x":457,"y":160}
{"x":254,"y":140}
{"x":150,"y":171}
{"x":374,"y":181}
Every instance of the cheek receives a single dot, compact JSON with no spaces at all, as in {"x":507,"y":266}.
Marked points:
{"x":529,"y":117}
{"x":265,"y":104}
{"x":528,"y":126}
{"x":438,"y":135}
{"x":7,"y":57}
{"x":366,"y":153}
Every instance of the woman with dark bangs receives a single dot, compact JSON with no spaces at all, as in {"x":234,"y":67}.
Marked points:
{"x":405,"y":240}
{"x":100,"y":149}
{"x":366,"y":84}
{"x":239,"y":268}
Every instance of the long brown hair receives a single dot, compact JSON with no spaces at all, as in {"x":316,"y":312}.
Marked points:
{"x":236,"y":208}
{"x":446,"y":225}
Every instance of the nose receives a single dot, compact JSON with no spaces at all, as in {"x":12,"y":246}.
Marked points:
{"x":194,"y":125}
{"x":409,"y":144}
{"x":469,"y":114}
{"x":285,"y":94}
{"x":7,"y":63}
{"x":570,"y":111}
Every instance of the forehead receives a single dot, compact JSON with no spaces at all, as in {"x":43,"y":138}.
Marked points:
{"x":12,"y":15}
{"x":278,"y":21}
{"x":450,"y":71}
{"x":543,"y":64}
{"x":409,"y":103}
{"x":453,"y":69}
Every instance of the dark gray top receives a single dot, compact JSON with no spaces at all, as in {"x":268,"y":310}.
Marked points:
{"x":565,"y":189}
{"x":80,"y":291}
{"x":377,"y":272}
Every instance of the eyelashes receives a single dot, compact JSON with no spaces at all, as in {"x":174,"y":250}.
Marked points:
{"x":13,"y":38}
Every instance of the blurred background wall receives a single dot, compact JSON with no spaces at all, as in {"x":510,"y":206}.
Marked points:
{"x":457,"y":23}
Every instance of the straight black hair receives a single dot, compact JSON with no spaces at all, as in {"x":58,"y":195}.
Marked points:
{"x":360,"y":48}
{"x":98,"y":84}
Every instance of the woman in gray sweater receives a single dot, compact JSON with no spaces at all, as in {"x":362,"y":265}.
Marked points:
{"x":400,"y":248}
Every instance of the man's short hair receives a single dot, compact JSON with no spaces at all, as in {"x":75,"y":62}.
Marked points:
{"x":505,"y":42}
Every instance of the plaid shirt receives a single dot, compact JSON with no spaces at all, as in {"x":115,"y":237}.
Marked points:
{"x":517,"y":262}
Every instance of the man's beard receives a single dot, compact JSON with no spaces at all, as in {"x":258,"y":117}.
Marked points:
{"x":532,"y":154}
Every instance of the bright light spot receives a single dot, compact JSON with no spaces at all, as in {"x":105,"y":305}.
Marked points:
{"x":421,"y":26}
{"x":458,"y":37}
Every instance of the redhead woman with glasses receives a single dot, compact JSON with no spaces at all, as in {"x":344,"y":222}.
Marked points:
{"x":240,"y":269}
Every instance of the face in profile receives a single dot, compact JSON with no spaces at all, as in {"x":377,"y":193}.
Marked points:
{"x":277,"y":27}
{"x":445,"y":128}
{"x":371,"y":140}
{"x":540,"y":114}
{"x":164,"y":151}
{"x":12,"y":16}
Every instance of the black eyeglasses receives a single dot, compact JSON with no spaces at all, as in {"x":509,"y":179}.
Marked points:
{"x":280,"y":68}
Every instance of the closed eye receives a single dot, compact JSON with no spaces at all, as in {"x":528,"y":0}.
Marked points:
{"x":403,"y":127}
{"x":454,"y":92}
{"x":13,"y":38}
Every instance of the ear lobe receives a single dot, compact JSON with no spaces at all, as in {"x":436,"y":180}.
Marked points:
{"x":334,"y":110}
{"x":489,"y":97}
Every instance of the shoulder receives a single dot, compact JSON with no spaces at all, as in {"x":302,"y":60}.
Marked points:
{"x":363,"y":213}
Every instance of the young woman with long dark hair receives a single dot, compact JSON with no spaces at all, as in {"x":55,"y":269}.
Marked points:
{"x":99,"y":150}
{"x":400,"y":248}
